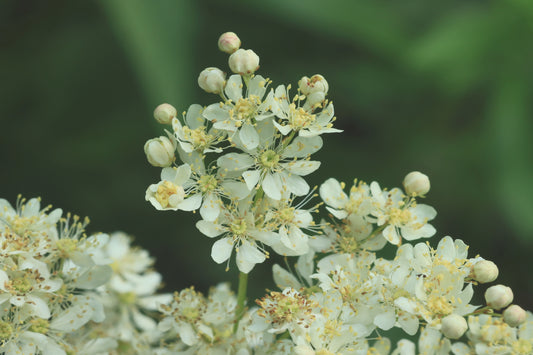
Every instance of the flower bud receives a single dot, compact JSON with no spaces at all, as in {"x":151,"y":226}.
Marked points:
{"x":514,"y":315}
{"x":484,"y":271}
{"x":159,"y":151}
{"x":244,"y":61}
{"x":317,"y":83}
{"x":499,"y":296}
{"x":164,"y":113}
{"x":453,"y":326}
{"x":416,"y":183}
{"x":229,"y":42}
{"x":212,"y":80}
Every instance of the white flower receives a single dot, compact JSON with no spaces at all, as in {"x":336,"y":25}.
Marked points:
{"x":401,"y":218}
{"x":194,"y":135}
{"x":491,"y":335}
{"x":436,"y":279}
{"x":237,"y":227}
{"x":28,"y":220}
{"x":241,"y":112}
{"x":169,"y":193}
{"x":275,"y":167}
{"x":30,"y":286}
{"x":301,"y":119}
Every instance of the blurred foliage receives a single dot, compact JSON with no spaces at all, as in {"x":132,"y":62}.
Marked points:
{"x":440,"y":87}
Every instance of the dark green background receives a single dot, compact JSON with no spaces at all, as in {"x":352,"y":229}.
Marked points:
{"x":440,"y":87}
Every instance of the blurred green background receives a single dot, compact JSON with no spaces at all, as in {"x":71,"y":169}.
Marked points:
{"x":441,"y":87}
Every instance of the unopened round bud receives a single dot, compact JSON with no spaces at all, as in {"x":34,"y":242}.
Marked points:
{"x":484,"y":271}
{"x":244,"y":61}
{"x":159,"y":151}
{"x":317,"y":83}
{"x":212,"y":80}
{"x":164,"y":113}
{"x":416,"y":183}
{"x":498,"y":296}
{"x":453,"y":326}
{"x":514,"y":315}
{"x":229,"y":42}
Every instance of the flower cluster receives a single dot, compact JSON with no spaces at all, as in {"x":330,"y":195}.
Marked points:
{"x":63,"y":292}
{"x":242,"y":162}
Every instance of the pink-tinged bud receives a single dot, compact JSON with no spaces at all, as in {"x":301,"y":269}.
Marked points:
{"x":416,"y":183}
{"x":212,"y":80}
{"x":484,"y":271}
{"x":514,"y":315}
{"x":164,"y":113}
{"x":244,"y":61}
{"x":229,"y":42}
{"x":159,"y":151}
{"x":453,"y":326}
{"x":317,"y":83}
{"x":498,"y":296}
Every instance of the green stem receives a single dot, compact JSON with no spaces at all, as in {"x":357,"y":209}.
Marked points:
{"x":241,"y":299}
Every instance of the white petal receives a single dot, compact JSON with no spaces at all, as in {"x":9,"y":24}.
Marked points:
{"x":257,"y":86}
{"x":194,"y":116}
{"x":282,"y":129}
{"x":284,"y":279}
{"x":301,"y":167}
{"x":332,"y":194}
{"x":72,"y":318}
{"x":191,"y":203}
{"x":235,"y":189}
{"x":339,"y":214}
{"x":251,"y":177}
{"x":234,"y":88}
{"x":248,"y":136}
{"x":210,"y":208}
{"x":216,"y":113}
{"x":272,"y":186}
{"x":302,"y":147}
{"x":38,"y":307}
{"x":386,"y":320}
{"x":221,"y":250}
{"x":235,"y":162}
{"x":183,"y":172}
{"x":297,"y":185}
{"x":210,"y":229}
{"x":187,"y":333}
{"x":391,"y":235}
{"x":247,"y":256}
{"x":94,"y":277}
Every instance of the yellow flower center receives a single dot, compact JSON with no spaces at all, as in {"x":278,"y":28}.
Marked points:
{"x":245,"y":109}
{"x":39,"y":325}
{"x":439,"y":305}
{"x":398,"y":216}
{"x":21,"y":285}
{"x":67,"y":246}
{"x":269,"y":159}
{"x":286,"y":215}
{"x":299,"y":118}
{"x":164,"y":191}
{"x":238,"y":227}
{"x":207,"y":183}
{"x":127,"y":298}
{"x":6,"y":330}
{"x":523,"y":346}
{"x":198,"y":137}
